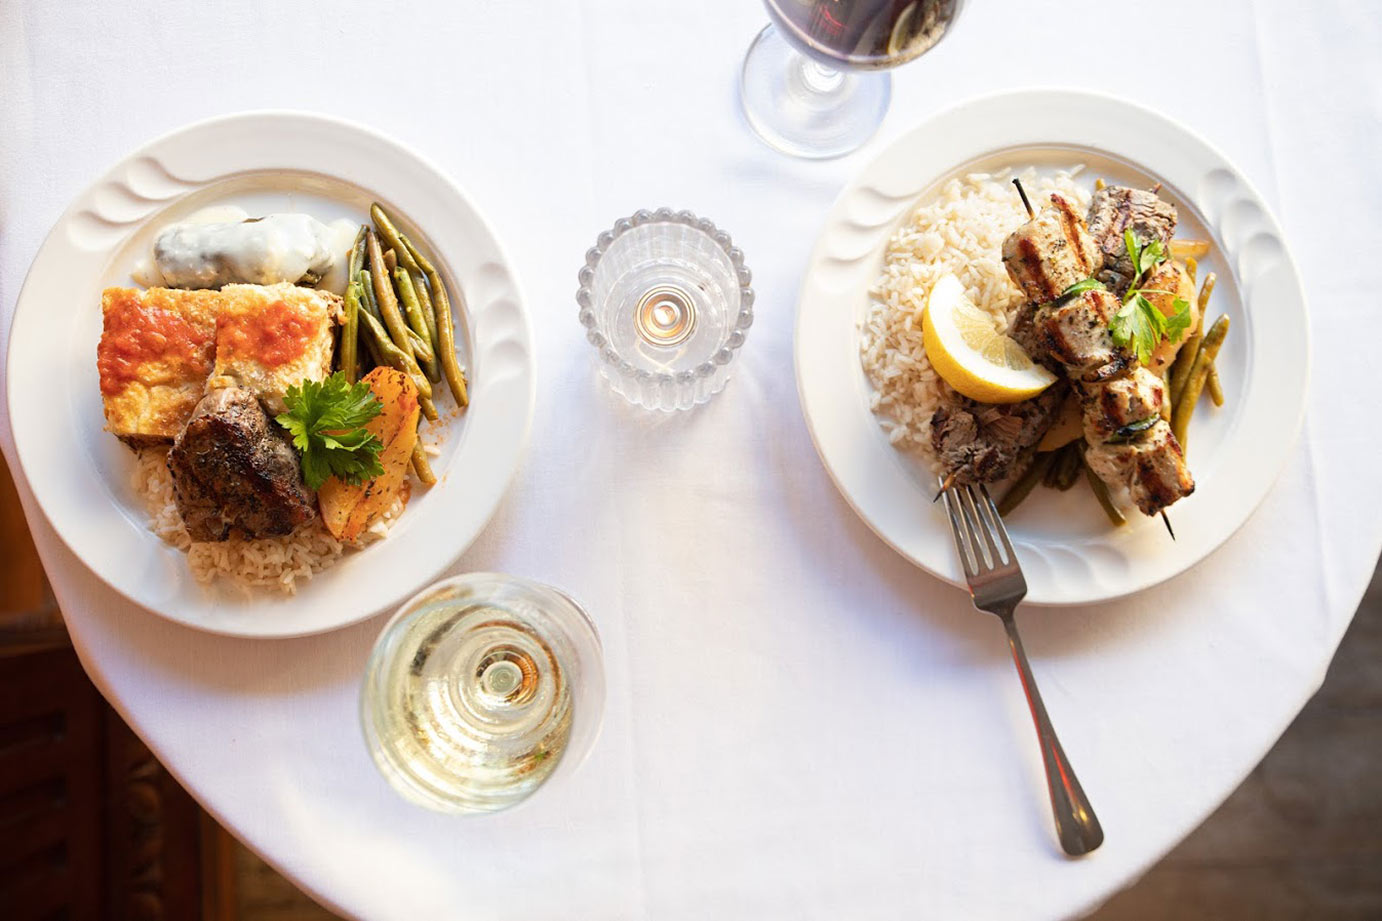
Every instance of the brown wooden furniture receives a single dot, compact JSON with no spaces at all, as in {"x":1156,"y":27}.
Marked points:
{"x":91,"y":826}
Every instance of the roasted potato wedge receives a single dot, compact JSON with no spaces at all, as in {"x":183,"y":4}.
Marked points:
{"x":1167,"y":282}
{"x":1068,"y":426}
{"x":347,"y":510}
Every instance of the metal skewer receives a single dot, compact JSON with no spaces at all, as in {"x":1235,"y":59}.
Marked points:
{"x":1025,"y":202}
{"x":949,"y":481}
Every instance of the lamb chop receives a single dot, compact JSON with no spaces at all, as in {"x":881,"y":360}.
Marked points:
{"x":1130,"y":446}
{"x":235,"y":471}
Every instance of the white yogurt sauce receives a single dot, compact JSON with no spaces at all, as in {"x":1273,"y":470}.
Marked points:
{"x":220,"y":245}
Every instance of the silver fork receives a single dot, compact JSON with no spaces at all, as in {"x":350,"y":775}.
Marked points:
{"x":996,"y":585}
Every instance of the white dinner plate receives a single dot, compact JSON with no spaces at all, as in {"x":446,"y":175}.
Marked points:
{"x":270,"y":161}
{"x":1068,"y":551}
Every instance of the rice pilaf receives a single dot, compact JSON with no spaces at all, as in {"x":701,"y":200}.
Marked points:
{"x":278,"y":563}
{"x":960,"y":231}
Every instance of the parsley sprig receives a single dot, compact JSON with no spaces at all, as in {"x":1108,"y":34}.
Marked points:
{"x":327,"y":421}
{"x":1139,"y":324}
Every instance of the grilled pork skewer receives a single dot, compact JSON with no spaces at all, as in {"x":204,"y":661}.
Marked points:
{"x":1131,"y":450}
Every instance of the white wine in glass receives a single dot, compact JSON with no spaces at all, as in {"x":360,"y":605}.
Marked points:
{"x":479,"y":689}
{"x":811,"y":85}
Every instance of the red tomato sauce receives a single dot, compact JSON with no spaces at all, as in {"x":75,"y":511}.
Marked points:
{"x":272,"y":336}
{"x":136,"y":336}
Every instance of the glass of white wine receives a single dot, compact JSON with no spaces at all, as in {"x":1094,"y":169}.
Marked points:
{"x":479,"y":690}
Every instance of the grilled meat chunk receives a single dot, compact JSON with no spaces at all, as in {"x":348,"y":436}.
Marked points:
{"x":1023,"y":330}
{"x":1123,"y":404}
{"x":1130,"y":445}
{"x":234,"y":471}
{"x":981,"y":442}
{"x":1150,"y":468}
{"x":1050,"y":252}
{"x":1075,"y":333}
{"x":1115,"y":209}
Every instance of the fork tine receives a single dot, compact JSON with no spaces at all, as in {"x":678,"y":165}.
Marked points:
{"x":996,"y":524}
{"x":968,"y":559}
{"x":978,"y":529}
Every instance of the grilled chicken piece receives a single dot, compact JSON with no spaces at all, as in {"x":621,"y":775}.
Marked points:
{"x":1120,"y":407}
{"x":234,"y":471}
{"x":1075,"y":333}
{"x":1050,"y":252}
{"x":1150,"y":469}
{"x":1130,"y":445}
{"x":1113,"y":210}
{"x":981,"y":442}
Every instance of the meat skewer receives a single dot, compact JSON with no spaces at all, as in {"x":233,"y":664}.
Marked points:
{"x":1130,"y":446}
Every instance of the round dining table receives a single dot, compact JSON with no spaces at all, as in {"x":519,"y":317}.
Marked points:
{"x":799,"y":723}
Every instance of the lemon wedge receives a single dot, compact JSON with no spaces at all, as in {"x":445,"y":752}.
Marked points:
{"x":974,"y":358}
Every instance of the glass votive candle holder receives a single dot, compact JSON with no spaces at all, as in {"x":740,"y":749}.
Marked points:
{"x":665,"y":299}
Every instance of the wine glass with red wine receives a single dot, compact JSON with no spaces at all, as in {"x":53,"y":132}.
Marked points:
{"x":815,"y":81}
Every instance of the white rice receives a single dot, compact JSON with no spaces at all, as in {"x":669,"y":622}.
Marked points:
{"x":959,"y":231}
{"x":275,"y":563}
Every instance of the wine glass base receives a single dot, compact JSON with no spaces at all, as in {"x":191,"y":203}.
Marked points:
{"x":805,"y":109}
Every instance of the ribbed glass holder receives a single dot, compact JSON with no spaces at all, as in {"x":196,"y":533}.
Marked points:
{"x":665,"y":299}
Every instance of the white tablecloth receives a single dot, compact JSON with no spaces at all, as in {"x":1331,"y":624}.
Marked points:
{"x":799,"y":724}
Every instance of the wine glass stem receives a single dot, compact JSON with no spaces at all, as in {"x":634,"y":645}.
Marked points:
{"x":817,"y":78}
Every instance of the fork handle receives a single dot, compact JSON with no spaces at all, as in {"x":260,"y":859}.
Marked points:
{"x":1076,"y":824}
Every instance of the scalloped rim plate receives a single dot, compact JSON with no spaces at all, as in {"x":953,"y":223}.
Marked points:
{"x":80,"y":474}
{"x":1069,"y":554}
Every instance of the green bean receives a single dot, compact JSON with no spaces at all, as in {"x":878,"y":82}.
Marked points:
{"x":396,"y":358}
{"x":367,"y":291}
{"x":1192,"y":266}
{"x":412,"y":310}
{"x":1205,"y":291}
{"x":1214,"y":385}
{"x":1024,"y":484}
{"x":1180,"y":368}
{"x":421,"y":467}
{"x":390,"y":260}
{"x":357,"y":254}
{"x":1185,"y":358}
{"x":424,"y":357}
{"x":424,"y":300}
{"x":350,"y":334}
{"x":1101,"y":493}
{"x":1185,"y":406}
{"x":446,"y":333}
{"x":384,"y":298}
{"x":1068,"y":467}
{"x":1048,"y":479}
{"x":391,"y":236}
